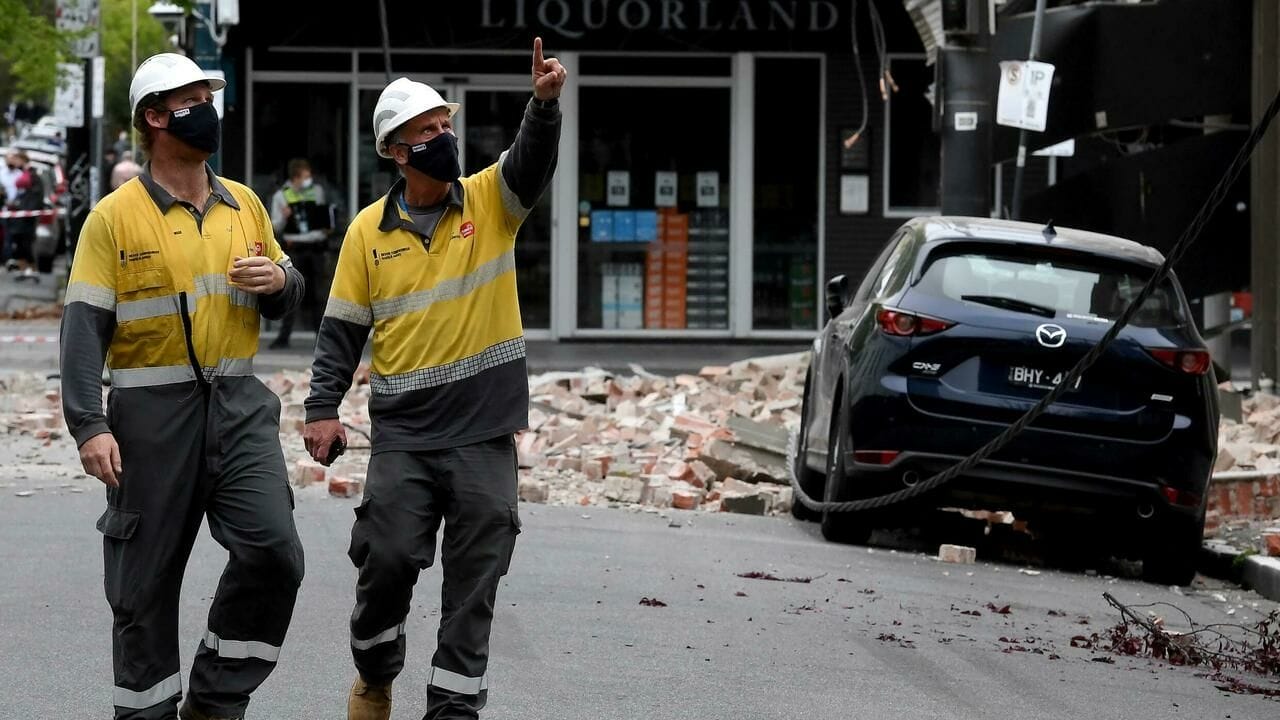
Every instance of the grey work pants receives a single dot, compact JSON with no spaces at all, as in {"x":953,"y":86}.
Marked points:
{"x":188,"y":454}
{"x":472,"y":489}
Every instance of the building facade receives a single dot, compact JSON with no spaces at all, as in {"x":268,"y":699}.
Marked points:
{"x":704,"y":189}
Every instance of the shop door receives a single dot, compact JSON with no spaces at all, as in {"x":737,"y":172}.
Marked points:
{"x":488,"y":124}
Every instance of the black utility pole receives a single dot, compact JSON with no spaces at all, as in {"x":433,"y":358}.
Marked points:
{"x":1022,"y":134}
{"x":966,"y":113}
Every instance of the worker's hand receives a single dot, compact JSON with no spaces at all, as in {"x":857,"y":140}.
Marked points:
{"x":100,"y":456}
{"x":548,"y":74}
{"x":318,"y":436}
{"x":257,"y":275}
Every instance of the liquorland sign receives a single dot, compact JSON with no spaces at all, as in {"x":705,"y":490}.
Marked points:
{"x":718,"y":24}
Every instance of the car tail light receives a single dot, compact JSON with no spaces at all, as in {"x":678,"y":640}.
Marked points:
{"x":47,"y":218}
{"x":1191,"y":362}
{"x":875,"y":457}
{"x":1181,"y":497}
{"x":905,"y":324}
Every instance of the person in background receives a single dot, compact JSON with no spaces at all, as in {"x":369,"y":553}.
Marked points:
{"x":29,"y":196}
{"x":292,"y":214}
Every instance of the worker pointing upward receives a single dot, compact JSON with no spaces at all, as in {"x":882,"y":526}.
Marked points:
{"x":430,"y":269}
{"x":170,"y":276}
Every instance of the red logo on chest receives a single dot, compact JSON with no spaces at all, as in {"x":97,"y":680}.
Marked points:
{"x":257,"y":248}
{"x":468,"y":229}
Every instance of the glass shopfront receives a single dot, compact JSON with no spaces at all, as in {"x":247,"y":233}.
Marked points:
{"x":686,"y":201}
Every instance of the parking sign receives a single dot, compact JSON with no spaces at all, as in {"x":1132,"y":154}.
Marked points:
{"x":1024,"y":94}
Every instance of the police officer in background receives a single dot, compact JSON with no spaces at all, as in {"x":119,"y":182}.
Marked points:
{"x":294,"y":209}
{"x":170,"y":275}
{"x":430,"y":269}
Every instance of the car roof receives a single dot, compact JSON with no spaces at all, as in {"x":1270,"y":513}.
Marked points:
{"x":36,"y":156}
{"x":937,"y":229}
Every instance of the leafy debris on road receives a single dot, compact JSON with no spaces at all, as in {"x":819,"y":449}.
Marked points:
{"x":999,"y":610}
{"x":891,"y":638}
{"x":757,"y":575}
{"x":1221,"y":647}
{"x":652,"y":602}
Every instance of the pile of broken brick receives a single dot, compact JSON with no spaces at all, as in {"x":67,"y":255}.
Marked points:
{"x":712,"y":441}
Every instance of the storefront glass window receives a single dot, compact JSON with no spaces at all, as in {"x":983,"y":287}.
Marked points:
{"x":300,"y":120}
{"x":913,"y":149}
{"x":785,"y":260}
{"x":489,"y":121}
{"x":653,"y":212}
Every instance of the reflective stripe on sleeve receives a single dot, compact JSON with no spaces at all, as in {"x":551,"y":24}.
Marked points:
{"x":349,"y":311}
{"x":241,"y":649}
{"x":453,"y":682}
{"x":510,"y":200}
{"x":97,"y":296}
{"x":142,"y":699}
{"x":385,"y":636}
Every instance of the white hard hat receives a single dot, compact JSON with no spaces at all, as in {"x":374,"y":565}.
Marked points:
{"x":165,"y":72}
{"x":400,"y":102}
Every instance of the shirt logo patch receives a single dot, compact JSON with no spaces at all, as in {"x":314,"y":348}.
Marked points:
{"x":386,"y":255}
{"x":468,"y":229}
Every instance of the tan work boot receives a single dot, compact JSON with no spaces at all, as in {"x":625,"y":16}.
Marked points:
{"x":188,"y":712}
{"x":369,"y":702}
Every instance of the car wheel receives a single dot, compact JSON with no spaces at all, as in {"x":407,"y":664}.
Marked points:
{"x":1174,"y":553}
{"x":850,"y":528}
{"x":810,"y":481}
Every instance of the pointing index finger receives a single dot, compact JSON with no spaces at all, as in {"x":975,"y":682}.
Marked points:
{"x":537,"y":53}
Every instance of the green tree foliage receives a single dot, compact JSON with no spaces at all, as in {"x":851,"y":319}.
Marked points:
{"x":30,"y":49}
{"x":117,"y":35}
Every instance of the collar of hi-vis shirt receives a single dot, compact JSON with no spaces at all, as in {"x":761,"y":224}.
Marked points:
{"x":394,"y":219}
{"x":165,"y":200}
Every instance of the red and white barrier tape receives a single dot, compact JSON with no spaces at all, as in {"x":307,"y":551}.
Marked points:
{"x":14,"y":214}
{"x":27,"y":339}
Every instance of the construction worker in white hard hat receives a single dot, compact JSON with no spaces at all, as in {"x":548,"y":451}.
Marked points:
{"x":430,"y":270}
{"x":170,"y":275}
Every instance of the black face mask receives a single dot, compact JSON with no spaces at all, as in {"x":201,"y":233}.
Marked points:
{"x":196,"y":126}
{"x":437,"y":158}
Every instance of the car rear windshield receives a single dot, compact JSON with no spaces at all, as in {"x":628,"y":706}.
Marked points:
{"x":1042,"y":282}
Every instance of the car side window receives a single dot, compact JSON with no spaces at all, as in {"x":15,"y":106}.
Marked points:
{"x":870,"y":280}
{"x":895,"y":269}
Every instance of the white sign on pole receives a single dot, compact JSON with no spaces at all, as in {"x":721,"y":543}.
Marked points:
{"x":99,"y":73}
{"x":68,"y":102}
{"x":1024,"y":94}
{"x":81,"y":18}
{"x":966,"y":121}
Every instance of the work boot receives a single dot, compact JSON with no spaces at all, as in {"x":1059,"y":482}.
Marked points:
{"x":189,"y":712}
{"x":369,"y":702}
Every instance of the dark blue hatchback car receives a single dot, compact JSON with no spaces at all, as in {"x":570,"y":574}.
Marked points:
{"x":959,"y":328}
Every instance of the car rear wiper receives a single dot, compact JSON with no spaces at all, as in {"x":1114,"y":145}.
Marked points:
{"x":1009,"y":303}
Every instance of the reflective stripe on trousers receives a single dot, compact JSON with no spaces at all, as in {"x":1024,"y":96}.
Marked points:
{"x":143,"y":699}
{"x":453,"y":682}
{"x":241,"y":649}
{"x":388,"y":635}
{"x":172,"y":374}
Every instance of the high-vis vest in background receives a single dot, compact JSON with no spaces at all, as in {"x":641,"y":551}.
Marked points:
{"x":165,"y":278}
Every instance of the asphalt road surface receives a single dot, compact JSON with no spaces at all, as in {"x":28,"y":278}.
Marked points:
{"x":874,"y":634}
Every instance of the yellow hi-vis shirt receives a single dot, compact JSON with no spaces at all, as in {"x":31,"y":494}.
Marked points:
{"x":448,"y":346}
{"x":145,"y":264}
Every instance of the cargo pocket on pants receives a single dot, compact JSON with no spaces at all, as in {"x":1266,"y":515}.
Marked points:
{"x":358,"y":551}
{"x":118,"y":524}
{"x":511,"y":547}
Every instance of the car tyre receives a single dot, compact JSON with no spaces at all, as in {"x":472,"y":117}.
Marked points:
{"x":840,"y":527}
{"x":1174,"y":553}
{"x":810,"y":481}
